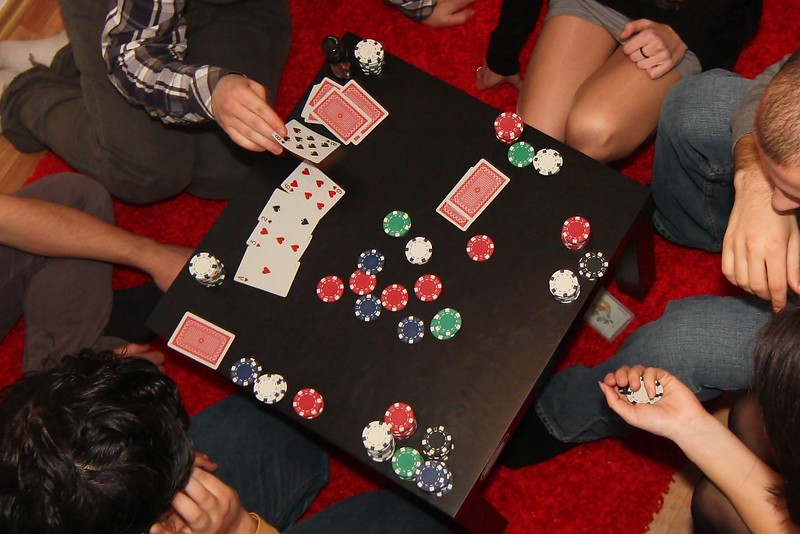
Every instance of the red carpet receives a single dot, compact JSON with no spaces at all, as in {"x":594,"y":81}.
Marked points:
{"x":599,"y":487}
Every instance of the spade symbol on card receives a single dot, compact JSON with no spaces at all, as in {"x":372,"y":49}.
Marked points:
{"x":297,"y":130}
{"x":314,"y":153}
{"x":304,"y":221}
{"x":324,"y":145}
{"x":299,"y":147}
{"x":276,"y":208}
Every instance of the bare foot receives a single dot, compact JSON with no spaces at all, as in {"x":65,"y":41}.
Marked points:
{"x":486,"y":78}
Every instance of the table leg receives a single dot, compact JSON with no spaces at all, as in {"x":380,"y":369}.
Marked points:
{"x":477,"y":516}
{"x":635,"y":271}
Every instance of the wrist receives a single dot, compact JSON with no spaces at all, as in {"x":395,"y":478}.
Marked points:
{"x":261,"y":526}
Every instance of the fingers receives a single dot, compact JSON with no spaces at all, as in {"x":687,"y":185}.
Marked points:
{"x":204,"y":461}
{"x":450,"y":13}
{"x":634,"y":27}
{"x":793,"y":263}
{"x":240,"y":108}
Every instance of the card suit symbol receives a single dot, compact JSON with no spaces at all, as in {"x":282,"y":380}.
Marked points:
{"x":310,"y":138}
{"x":265,"y":270}
{"x":320,"y":205}
{"x":314,"y":153}
{"x":332,"y":193}
{"x":320,"y":183}
{"x":295,"y":247}
{"x":296,"y":130}
{"x":281,"y":240}
{"x":325,"y":145}
{"x":312,"y":145}
{"x":299,"y":146}
{"x":308,"y":195}
{"x":294,"y":183}
{"x":298,"y":139}
{"x":304,"y":222}
{"x":243,"y":278}
{"x":305,"y":172}
{"x":277,"y":208}
{"x":264,"y":231}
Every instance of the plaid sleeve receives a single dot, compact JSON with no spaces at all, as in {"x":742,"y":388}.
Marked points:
{"x":417,"y":10}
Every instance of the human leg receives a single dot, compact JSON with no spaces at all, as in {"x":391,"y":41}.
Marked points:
{"x":692,"y":180}
{"x":549,"y":89}
{"x":19,"y":56}
{"x":276,"y":470}
{"x":616,"y":109}
{"x":514,"y":26}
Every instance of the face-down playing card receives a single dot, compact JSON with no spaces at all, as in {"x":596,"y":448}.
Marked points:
{"x":472,"y":194}
{"x":201,"y":340}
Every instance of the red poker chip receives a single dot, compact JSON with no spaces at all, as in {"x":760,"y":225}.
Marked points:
{"x":575,"y":230}
{"x":508,"y":126}
{"x":401,"y":418}
{"x":330,"y":288}
{"x":480,"y":247}
{"x":394,"y":297}
{"x":428,"y":287}
{"x":362,"y":283}
{"x":308,"y":403}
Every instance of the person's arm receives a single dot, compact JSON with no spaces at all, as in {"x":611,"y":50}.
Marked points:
{"x":743,"y":478}
{"x":49,"y":229}
{"x":437,"y":13}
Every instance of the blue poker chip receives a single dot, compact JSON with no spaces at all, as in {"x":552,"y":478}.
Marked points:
{"x":432,"y":476}
{"x":245,"y":371}
{"x":367,"y":308}
{"x":371,"y":261}
{"x":411,"y":330}
{"x":447,"y":487}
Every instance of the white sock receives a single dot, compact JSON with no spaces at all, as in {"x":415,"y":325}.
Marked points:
{"x":20,"y":55}
{"x":5,"y":78}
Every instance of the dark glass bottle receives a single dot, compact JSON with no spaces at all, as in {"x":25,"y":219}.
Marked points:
{"x":337,"y":57}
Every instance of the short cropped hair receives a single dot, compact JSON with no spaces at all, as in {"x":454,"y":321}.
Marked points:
{"x":98,"y":445}
{"x":777,"y":122}
{"x":776,"y":383}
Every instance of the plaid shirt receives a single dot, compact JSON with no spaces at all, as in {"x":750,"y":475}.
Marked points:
{"x":417,"y":10}
{"x":144,"y":46}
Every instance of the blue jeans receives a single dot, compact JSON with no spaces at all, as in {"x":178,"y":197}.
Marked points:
{"x":278,"y":472}
{"x":692,"y":181}
{"x":705,"y":341}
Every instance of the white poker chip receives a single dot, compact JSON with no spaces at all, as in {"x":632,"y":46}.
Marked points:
{"x":206,"y":269}
{"x":640,"y":396}
{"x":547,"y":161}
{"x":564,"y":286}
{"x":369,"y":52}
{"x":270,"y":388}
{"x":377,"y":436}
{"x":419,"y":251}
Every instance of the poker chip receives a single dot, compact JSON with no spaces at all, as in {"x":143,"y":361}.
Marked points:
{"x":367,"y":308}
{"x":419,"y":251}
{"x":370,"y":56}
{"x":428,"y":287}
{"x":397,"y":223}
{"x":640,"y":396}
{"x":508,"y":127}
{"x":411,"y":330}
{"x":207,"y":269}
{"x":547,"y":161}
{"x":308,"y":403}
{"x":445,"y":324}
{"x":575,"y":232}
{"x":521,"y":154}
{"x":564,"y":286}
{"x":270,"y":388}
{"x":480,"y":247}
{"x":245,"y":371}
{"x":378,"y":440}
{"x":405,"y":463}
{"x":330,"y":288}
{"x":401,"y":419}
{"x":371,"y":261}
{"x":447,"y":487}
{"x":362,"y":283}
{"x":431,"y":476}
{"x":592,"y":265}
{"x":394,"y":297}
{"x":437,"y":443}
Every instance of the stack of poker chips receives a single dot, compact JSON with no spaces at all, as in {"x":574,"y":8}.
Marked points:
{"x":437,"y":443}
{"x":207,"y":269}
{"x":401,"y":420}
{"x":370,"y":55}
{"x":575,"y":232}
{"x":434,"y":477}
{"x":378,"y":440}
{"x":564,"y":286}
{"x":406,"y":462}
{"x":593,"y":265}
{"x":508,"y":127}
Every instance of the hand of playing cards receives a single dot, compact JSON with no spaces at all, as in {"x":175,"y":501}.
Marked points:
{"x":284,"y":229}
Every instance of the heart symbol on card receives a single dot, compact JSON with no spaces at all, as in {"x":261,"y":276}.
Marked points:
{"x":265,"y":270}
{"x":295,"y":248}
{"x":281,"y":240}
{"x":308,"y":195}
{"x":320,"y":183}
{"x":294,"y":183}
{"x":320,"y":205}
{"x":305,"y":173}
{"x":332,"y":193}
{"x":264,"y":231}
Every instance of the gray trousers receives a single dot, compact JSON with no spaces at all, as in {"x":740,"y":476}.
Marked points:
{"x":73,"y":109}
{"x":66,"y":302}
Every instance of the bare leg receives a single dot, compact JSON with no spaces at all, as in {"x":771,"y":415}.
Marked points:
{"x":568,"y":51}
{"x":616,"y":109}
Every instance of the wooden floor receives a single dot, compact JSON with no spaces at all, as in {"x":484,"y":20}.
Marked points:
{"x":29,"y":19}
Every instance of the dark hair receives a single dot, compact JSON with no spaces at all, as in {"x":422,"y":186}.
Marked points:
{"x":96,"y":445}
{"x":777,"y":122}
{"x":776,"y":382}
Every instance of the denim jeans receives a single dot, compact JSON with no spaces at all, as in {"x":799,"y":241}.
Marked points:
{"x":278,"y":472}
{"x":705,"y":341}
{"x":692,"y":181}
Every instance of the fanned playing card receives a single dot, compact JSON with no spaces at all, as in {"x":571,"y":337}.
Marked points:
{"x":341,"y":116}
{"x":472,"y":194}
{"x":305,"y":142}
{"x":316,"y":191}
{"x":317,"y":92}
{"x":368,"y":105}
{"x":201,"y":340}
{"x":267,"y":272}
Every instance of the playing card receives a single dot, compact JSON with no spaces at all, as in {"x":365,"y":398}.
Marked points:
{"x":314,"y":187}
{"x":305,"y":142}
{"x":291,"y":215}
{"x":277,"y":243}
{"x":273,"y":274}
{"x":472,"y":194}
{"x":341,"y":116}
{"x":369,"y":105}
{"x":607,"y":315}
{"x":317,"y":92}
{"x":201,"y":340}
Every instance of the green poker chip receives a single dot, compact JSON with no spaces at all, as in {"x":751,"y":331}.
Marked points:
{"x":446,"y":324}
{"x":405,"y":462}
{"x":397,"y":223}
{"x":521,"y":154}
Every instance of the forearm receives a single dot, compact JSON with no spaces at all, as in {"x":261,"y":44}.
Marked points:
{"x":749,"y":178}
{"x":742,"y":119}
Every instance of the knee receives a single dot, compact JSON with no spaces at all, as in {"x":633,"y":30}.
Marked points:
{"x":684,"y":110}
{"x":593,"y":133}
{"x":76,"y":191}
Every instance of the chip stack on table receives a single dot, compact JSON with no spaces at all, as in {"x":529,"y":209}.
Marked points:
{"x":411,"y":330}
{"x":547,"y":161}
{"x":270,"y":388}
{"x":308,"y":403}
{"x":207,"y":269}
{"x":401,"y":419}
{"x":446,"y":324}
{"x":592,"y":265}
{"x":434,"y":477}
{"x":245,"y":371}
{"x":437,"y":443}
{"x":508,"y":127}
{"x":371,"y":56}
{"x":378,"y":440}
{"x":564,"y":286}
{"x":575,"y":232}
{"x":406,"y":462}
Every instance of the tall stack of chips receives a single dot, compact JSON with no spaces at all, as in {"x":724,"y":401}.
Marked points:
{"x":437,"y":443}
{"x":378,"y":440}
{"x":575,"y":232}
{"x":406,"y":462}
{"x":207,"y":269}
{"x":434,"y":477}
{"x":370,"y":55}
{"x":508,"y":127}
{"x":401,"y":419}
{"x":564,"y":286}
